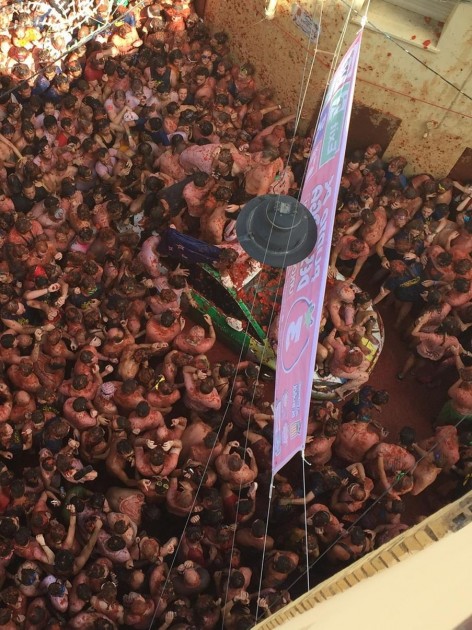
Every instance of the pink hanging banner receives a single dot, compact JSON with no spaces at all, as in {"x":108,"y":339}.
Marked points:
{"x":305,"y":282}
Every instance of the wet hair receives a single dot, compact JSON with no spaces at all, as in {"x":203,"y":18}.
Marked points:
{"x":223,"y":193}
{"x":79,"y":404}
{"x":321,"y":518}
{"x":22,"y":536}
{"x":283,"y":564}
{"x":449,"y":326}
{"x":357,"y":535}
{"x":207,"y":386}
{"x":56,"y":589}
{"x":120,"y":527}
{"x":462,"y":265}
{"x":206,"y":128}
{"x":234,"y":463}
{"x":8,"y":528}
{"x":236,"y":579}
{"x":86,"y":356}
{"x":142,"y":409}
{"x":407,"y":436}
{"x":461,"y":285}
{"x":398,"y":507}
{"x":210,"y":439}
{"x":258,"y":528}
{"x":84,"y":592}
{"x":178,"y":282}
{"x":157,"y":457}
{"x":115,"y":543}
{"x":167,"y":319}
{"x":96,"y":571}
{"x":201,"y":71}
{"x":331,"y":427}
{"x":124,"y":447}
{"x":227,"y":368}
{"x":434,"y":297}
{"x":443,"y":259}
{"x":200,"y":179}
{"x":17,"y":488}
{"x":332,"y":482}
{"x":130,"y":385}
{"x":97,"y":500}
{"x":64,"y":560}
{"x":380,"y":397}
{"x":7,"y":341}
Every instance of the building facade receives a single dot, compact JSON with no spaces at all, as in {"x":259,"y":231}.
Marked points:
{"x":419,"y":108}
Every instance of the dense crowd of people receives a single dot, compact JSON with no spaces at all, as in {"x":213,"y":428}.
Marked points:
{"x":135,"y":461}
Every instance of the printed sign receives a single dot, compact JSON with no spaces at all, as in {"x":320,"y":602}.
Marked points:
{"x":305,"y":22}
{"x":305,"y":282}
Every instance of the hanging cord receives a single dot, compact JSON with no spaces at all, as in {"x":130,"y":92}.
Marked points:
{"x":305,"y":507}
{"x":398,"y":477}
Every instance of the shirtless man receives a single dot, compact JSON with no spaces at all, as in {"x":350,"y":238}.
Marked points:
{"x":354,"y":439}
{"x":206,"y":450}
{"x":339,"y":299}
{"x":134,"y":355}
{"x":426,"y":470}
{"x":444,"y":445}
{"x":145,"y":418}
{"x":120,"y":455}
{"x":180,"y":497}
{"x":394,"y":225}
{"x":278,"y":566}
{"x":352,"y":254}
{"x":384,"y":462}
{"x":163,"y":329}
{"x":352,"y":547}
{"x":233,"y":469}
{"x":194,"y":341}
{"x":373,"y":225}
{"x":347,"y":363}
{"x":213,"y":220}
{"x":318,"y":446}
{"x":200,"y":393}
{"x":263,"y":172}
{"x":117,"y":339}
{"x":9,"y":351}
{"x":254,"y":538}
{"x":195,"y":194}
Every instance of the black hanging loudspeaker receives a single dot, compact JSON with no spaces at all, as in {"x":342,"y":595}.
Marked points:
{"x":276,"y":230}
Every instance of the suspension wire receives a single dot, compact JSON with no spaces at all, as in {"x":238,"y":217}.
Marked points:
{"x":305,"y":507}
{"x":392,"y":485}
{"x":197,"y":491}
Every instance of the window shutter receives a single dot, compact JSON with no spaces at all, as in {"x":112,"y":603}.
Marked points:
{"x":436,"y":9}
